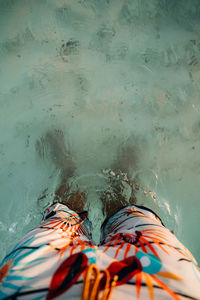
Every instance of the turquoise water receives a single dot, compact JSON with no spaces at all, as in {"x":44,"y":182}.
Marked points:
{"x":118,"y":84}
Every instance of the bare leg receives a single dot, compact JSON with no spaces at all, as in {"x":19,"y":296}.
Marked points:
{"x":127,"y":157}
{"x":52,"y":145}
{"x":115,"y":197}
{"x":119,"y":177}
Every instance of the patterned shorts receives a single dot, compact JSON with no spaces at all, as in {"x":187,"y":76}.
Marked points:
{"x":137,"y":258}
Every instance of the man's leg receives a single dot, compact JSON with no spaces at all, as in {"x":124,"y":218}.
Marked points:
{"x":52,"y":257}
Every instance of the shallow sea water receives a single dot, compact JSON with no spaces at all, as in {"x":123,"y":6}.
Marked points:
{"x":112,"y":80}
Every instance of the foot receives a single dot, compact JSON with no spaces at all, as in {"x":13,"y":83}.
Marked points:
{"x":127,"y":156}
{"x":52,"y":146}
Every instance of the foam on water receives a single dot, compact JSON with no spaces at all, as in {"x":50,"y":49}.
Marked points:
{"x":118,"y":79}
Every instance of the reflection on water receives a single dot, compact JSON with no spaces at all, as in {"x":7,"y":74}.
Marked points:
{"x":116,"y":83}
